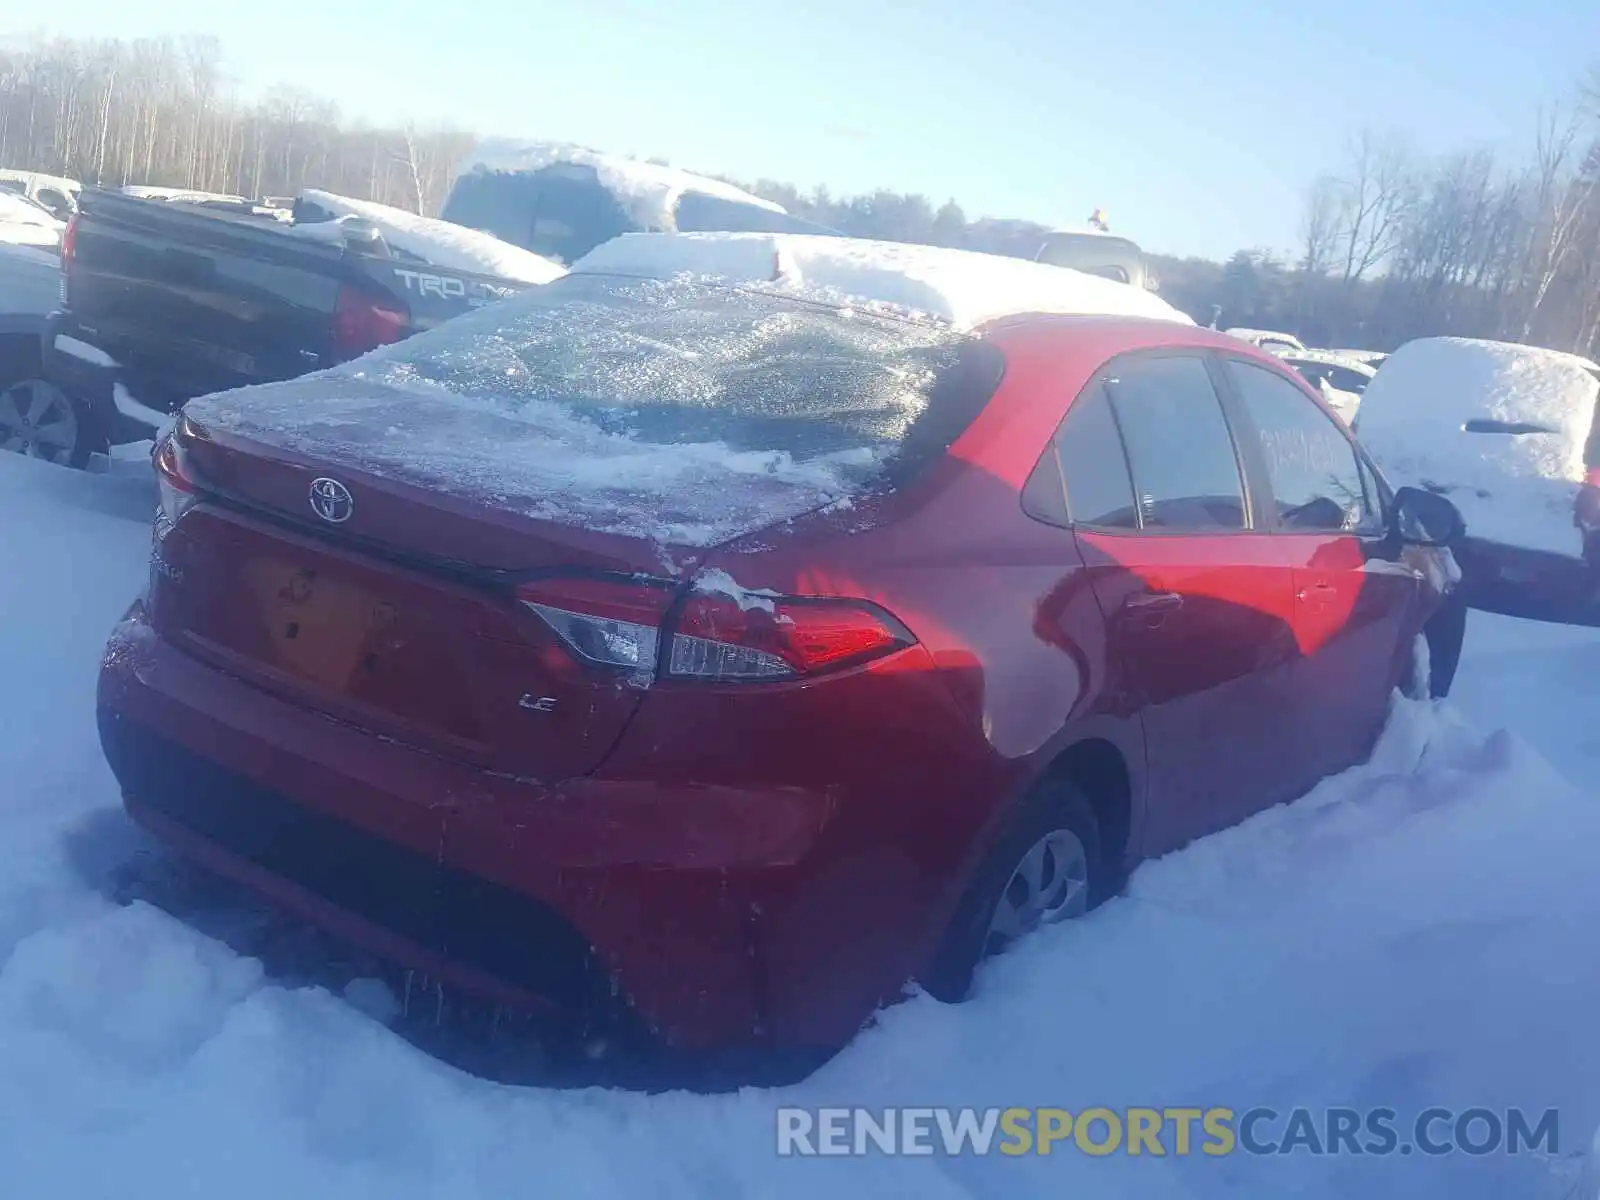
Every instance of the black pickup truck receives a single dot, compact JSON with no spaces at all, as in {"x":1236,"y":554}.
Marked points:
{"x":165,"y":302}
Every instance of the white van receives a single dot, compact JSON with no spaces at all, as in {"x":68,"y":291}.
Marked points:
{"x":1094,"y":252}
{"x":56,"y":195}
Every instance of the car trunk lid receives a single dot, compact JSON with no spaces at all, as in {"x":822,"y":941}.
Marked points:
{"x":394,"y":606}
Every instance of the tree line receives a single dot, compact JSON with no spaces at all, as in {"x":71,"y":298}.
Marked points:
{"x":1393,"y":244}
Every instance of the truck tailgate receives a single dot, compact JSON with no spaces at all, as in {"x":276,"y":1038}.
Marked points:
{"x":198,"y":300}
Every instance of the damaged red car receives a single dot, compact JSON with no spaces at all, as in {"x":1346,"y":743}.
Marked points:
{"x":724,"y":660}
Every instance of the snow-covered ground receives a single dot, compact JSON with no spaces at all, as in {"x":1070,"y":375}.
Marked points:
{"x":1419,"y":931}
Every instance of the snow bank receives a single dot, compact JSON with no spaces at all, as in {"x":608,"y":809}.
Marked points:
{"x":439,"y":243}
{"x":1515,"y":488}
{"x":1340,"y":951}
{"x":648,"y":191}
{"x":962,"y":287}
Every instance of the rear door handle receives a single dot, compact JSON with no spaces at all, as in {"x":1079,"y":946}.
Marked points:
{"x":1316,"y":591}
{"x":1150,"y":610}
{"x":1153,"y":603}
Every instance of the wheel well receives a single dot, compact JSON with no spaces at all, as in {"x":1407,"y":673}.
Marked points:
{"x":1098,"y":768}
{"x":20,"y":357}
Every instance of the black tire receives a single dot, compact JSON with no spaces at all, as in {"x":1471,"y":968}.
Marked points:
{"x":1053,"y":804}
{"x":89,"y":433}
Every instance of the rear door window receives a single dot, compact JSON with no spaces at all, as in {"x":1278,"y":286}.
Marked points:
{"x":501,"y":203}
{"x":1094,"y":466}
{"x":574,"y":214}
{"x":1181,"y":452}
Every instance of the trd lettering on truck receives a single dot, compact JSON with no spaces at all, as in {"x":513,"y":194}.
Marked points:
{"x":447,"y":287}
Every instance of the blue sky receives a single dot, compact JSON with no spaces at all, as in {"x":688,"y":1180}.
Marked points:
{"x":1196,"y":127}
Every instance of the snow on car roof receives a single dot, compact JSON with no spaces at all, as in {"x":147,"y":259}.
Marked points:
{"x":440,"y":243}
{"x":144,"y":192}
{"x":961,"y":287}
{"x":1512,"y":487}
{"x":648,"y":190}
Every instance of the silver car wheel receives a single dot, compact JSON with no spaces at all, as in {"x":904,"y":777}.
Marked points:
{"x":37,"y":419}
{"x":1049,"y":884}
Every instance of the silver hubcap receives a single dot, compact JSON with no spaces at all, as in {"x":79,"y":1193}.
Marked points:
{"x":37,"y":419}
{"x":1051,"y":883}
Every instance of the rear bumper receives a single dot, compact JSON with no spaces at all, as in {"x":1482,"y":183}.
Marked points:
{"x":719,"y":918}
{"x":1533,"y":584}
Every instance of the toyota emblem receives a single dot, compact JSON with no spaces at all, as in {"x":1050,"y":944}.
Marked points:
{"x":331,"y":500}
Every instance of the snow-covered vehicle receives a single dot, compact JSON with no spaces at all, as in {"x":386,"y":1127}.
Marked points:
{"x":562,"y":201}
{"x":25,"y":222}
{"x":1096,"y":252}
{"x":165,"y":301}
{"x":55,"y":193}
{"x":32,"y":412}
{"x":962,"y":287}
{"x":1341,"y":378}
{"x":181,"y":195}
{"x":1509,"y":433}
{"x":1273,"y":341}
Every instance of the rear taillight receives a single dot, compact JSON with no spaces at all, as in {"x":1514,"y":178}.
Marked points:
{"x":69,"y":240}
{"x":363,"y":322}
{"x":712,"y":636}
{"x":607,"y":622}
{"x":177,"y":489}
{"x":779,"y":637}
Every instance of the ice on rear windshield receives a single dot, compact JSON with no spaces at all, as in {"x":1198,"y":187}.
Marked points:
{"x":658,"y":409}
{"x":672,"y":363}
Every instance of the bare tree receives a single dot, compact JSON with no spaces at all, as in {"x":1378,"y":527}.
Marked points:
{"x":1377,"y":189}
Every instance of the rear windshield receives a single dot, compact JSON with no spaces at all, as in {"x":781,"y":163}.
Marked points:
{"x":671,"y":362}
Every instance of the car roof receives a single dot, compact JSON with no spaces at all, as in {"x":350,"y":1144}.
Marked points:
{"x":1076,"y":339}
{"x":962,"y":287}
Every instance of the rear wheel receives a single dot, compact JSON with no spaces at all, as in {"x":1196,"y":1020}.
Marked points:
{"x":41,"y":421}
{"x":1046,"y":868}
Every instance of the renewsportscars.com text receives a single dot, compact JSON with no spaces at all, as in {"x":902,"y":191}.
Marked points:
{"x":1158,"y":1132}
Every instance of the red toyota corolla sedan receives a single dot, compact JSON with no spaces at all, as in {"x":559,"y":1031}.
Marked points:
{"x":727,"y":660}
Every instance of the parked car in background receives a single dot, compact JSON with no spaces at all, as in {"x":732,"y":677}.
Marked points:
{"x":1341,"y":379}
{"x":32,"y":411}
{"x":23,"y":222}
{"x":441,"y":649}
{"x":1373,"y":358}
{"x":164,"y":301}
{"x":1508,"y":433}
{"x":562,"y":201}
{"x":56,"y":195}
{"x":1267,"y":339}
{"x":1094,"y":252}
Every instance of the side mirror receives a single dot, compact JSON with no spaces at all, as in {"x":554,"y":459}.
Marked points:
{"x":1422,"y":518}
